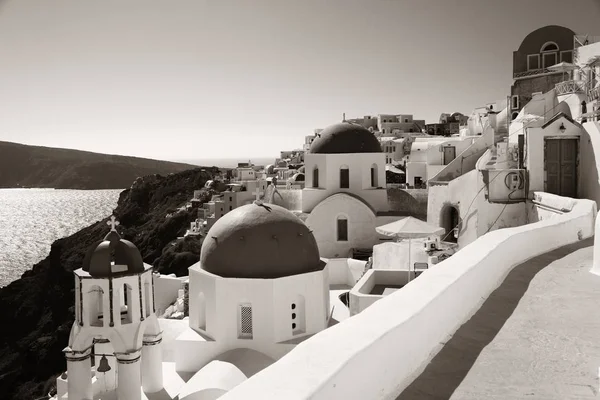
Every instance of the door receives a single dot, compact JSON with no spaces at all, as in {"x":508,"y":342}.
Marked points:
{"x":561,"y":167}
{"x":449,"y":154}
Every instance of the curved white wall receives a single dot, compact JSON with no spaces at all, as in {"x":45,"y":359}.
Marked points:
{"x":363,"y":357}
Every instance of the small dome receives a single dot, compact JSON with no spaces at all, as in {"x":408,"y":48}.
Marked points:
{"x":259,"y":241}
{"x":345,"y":138}
{"x":301,"y":169}
{"x":113,"y":256}
{"x":269,"y":169}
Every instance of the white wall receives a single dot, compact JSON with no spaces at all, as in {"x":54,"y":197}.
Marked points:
{"x":362,"y":359}
{"x":166,"y":290}
{"x":323,"y":222}
{"x":360,"y":178}
{"x":392,"y":255}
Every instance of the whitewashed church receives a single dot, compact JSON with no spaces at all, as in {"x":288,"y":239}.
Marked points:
{"x":260,"y":288}
{"x":345,"y":195}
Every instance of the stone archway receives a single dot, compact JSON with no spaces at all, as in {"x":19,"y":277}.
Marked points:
{"x":450,"y":221}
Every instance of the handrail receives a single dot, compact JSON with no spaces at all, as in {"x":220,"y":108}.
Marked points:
{"x":570,"y":86}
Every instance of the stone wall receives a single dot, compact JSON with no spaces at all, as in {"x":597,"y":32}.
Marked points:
{"x":412,"y":201}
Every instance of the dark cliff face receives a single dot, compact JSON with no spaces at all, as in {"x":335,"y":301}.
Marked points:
{"x":38,"y":310}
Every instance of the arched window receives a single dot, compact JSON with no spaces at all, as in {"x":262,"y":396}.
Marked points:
{"x":148,"y":297}
{"x":342,"y":229}
{"x":344,"y":177}
{"x":514,"y":115}
{"x":315,"y":177}
{"x":95,"y":306}
{"x":126,"y":308}
{"x":549,"y":46}
{"x":549,"y":54}
{"x":374,"y":175}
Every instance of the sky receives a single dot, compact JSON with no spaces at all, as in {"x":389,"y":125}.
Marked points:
{"x":205,"y":79}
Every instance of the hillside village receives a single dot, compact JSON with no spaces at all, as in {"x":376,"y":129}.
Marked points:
{"x":315,"y":268}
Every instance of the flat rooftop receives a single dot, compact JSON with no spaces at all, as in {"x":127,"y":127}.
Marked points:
{"x":536,"y":337}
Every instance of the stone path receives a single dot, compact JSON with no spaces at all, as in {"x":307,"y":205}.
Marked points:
{"x":536,"y":337}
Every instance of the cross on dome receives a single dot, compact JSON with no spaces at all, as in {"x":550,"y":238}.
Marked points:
{"x":113,"y":223}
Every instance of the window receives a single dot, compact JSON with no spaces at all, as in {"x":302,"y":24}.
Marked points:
{"x":374,"y":175}
{"x":549,"y":46}
{"x":245,"y":321}
{"x":550,"y":59}
{"x":344,"y":177}
{"x":515,"y":102}
{"x":514,"y":115}
{"x":566,"y":56}
{"x":316,"y":177}
{"x":230,"y":208}
{"x":342,"y":229}
{"x":406,"y":120}
{"x":383,"y":130}
{"x":533,"y":62}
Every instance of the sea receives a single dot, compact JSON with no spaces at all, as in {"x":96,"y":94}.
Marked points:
{"x":32,"y":219}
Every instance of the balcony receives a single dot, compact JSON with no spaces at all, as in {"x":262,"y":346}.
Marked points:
{"x":594,"y":94}
{"x":568,"y":87}
{"x":534,"y":72}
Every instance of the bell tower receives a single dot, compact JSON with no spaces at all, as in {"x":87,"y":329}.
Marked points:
{"x":115,"y":322}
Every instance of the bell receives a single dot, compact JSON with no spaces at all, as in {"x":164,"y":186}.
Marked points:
{"x":103,"y":366}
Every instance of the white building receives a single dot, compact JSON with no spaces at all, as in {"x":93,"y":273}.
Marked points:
{"x":345,"y":195}
{"x":115,"y":322}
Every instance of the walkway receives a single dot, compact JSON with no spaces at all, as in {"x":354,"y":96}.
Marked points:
{"x":536,"y":337}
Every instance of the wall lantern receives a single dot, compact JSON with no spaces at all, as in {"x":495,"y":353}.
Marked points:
{"x":562,"y":128}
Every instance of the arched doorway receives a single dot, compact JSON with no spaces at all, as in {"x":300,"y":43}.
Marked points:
{"x":450,"y":221}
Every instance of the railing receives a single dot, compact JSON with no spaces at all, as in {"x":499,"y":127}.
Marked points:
{"x":594,"y":94}
{"x":533,"y":72}
{"x":568,"y":87}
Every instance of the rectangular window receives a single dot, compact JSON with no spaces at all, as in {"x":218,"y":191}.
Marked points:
{"x":342,"y":230}
{"x":245,"y":331}
{"x":550,"y":59}
{"x":566,"y":56}
{"x":345,"y":178}
{"x":533,"y":62}
{"x":515,"y":102}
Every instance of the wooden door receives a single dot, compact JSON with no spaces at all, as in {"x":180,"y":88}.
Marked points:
{"x":561,"y":167}
{"x":449,"y":154}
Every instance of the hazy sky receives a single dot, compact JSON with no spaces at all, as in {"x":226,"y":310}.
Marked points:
{"x":181,"y":79}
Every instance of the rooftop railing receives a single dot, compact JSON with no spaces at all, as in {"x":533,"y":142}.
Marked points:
{"x":534,"y":72}
{"x":571,"y":86}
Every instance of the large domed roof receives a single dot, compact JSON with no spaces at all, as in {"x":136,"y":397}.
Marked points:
{"x":261,"y":241}
{"x":345,"y":138}
{"x":113,"y":256}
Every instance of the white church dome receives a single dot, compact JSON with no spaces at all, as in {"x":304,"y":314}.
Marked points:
{"x":261,"y":241}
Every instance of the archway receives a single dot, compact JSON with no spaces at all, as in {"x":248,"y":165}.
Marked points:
{"x":450,"y":221}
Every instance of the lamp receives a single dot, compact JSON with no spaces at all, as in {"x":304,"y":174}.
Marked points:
{"x":562,"y":128}
{"x":103,"y":366}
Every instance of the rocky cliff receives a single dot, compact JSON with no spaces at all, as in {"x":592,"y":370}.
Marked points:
{"x":37,"y":311}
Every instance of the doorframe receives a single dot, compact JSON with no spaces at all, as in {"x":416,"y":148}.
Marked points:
{"x":577,"y":158}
